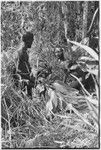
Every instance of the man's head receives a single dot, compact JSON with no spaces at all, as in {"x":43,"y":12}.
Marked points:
{"x":28,"y":39}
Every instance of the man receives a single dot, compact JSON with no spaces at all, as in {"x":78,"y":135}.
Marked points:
{"x":24,"y":69}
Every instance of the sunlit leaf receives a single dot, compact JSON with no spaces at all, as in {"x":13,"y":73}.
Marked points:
{"x":64,"y":88}
{"x":86,"y":48}
{"x":49,"y":107}
{"x":96,"y":11}
{"x":84,"y":41}
{"x":74,"y":67}
{"x":93,"y":71}
{"x":85,"y":58}
{"x":53,"y":97}
{"x":87,"y":75}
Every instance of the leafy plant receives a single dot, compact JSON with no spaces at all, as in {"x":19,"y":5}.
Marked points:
{"x":74,"y":113}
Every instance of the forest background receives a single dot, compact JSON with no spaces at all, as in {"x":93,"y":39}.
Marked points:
{"x":66,"y":41}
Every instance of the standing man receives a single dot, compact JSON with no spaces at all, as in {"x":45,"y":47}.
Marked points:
{"x":24,"y":68}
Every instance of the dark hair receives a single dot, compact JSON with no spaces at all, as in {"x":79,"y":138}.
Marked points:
{"x":27,"y":37}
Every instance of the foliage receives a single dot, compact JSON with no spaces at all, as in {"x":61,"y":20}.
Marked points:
{"x":59,"y":115}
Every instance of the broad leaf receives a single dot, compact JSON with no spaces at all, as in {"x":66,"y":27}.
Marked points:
{"x":64,"y":88}
{"x":49,"y":107}
{"x":86,"y":48}
{"x":53,"y":97}
{"x":52,"y":101}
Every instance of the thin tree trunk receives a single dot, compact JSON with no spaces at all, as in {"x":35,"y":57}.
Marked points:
{"x":85,"y":14}
{"x":77,"y":35}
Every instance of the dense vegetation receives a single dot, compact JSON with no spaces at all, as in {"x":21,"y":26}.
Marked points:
{"x":64,"y":59}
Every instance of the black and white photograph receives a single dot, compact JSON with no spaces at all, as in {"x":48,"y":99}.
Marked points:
{"x":50,"y":74}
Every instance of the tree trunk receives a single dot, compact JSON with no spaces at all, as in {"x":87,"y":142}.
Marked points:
{"x":77,"y":35}
{"x":85,"y":14}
